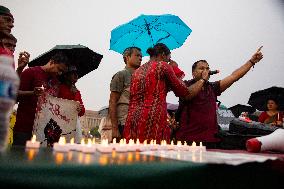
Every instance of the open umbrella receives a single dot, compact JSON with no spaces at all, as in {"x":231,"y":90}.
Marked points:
{"x":147,"y":30}
{"x":239,"y":108}
{"x":259,"y":99}
{"x":82,"y":57}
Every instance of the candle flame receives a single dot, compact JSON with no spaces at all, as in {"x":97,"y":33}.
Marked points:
{"x":62,"y":141}
{"x":114,"y":140}
{"x":34,"y":139}
{"x":137,"y":141}
{"x":72,"y":141}
{"x":89,"y":142}
{"x":82,"y":142}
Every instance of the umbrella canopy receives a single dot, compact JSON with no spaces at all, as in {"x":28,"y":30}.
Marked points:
{"x":239,"y":108}
{"x":259,"y":99}
{"x":147,"y":30}
{"x":82,"y":57}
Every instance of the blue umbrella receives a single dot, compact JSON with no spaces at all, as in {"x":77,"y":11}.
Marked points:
{"x":147,"y":30}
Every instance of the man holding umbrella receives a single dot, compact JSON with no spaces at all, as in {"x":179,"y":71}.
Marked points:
{"x":198,"y":113}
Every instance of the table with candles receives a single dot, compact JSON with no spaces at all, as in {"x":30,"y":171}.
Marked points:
{"x":132,"y":164}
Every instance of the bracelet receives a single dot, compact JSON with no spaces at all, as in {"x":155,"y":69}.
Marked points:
{"x":253,"y":63}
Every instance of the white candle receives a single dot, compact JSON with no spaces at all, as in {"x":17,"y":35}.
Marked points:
{"x":89,"y":148}
{"x":71,"y":145}
{"x":61,"y":146}
{"x":33,"y":143}
{"x":163,"y":145}
{"x":178,"y":146}
{"x":171,"y":146}
{"x":121,"y":147}
{"x":193,"y":147}
{"x":153,"y":146}
{"x":201,"y":147}
{"x":131,"y":146}
{"x":104,"y":147}
{"x":185,"y":146}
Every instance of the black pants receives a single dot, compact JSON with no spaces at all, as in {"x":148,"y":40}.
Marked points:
{"x":120,"y":129}
{"x":20,"y":138}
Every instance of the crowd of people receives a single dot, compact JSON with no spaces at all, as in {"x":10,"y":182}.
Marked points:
{"x":137,"y":102}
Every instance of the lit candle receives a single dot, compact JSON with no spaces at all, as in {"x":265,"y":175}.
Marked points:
{"x":104,"y":147}
{"x":113,"y":144}
{"x":71,"y":145}
{"x":193,"y":147}
{"x":185,"y":146}
{"x":153,"y":145}
{"x":89,"y":148}
{"x":61,"y":146}
{"x":42,"y":87}
{"x":171,"y":146}
{"x":121,"y":147}
{"x":139,"y":147}
{"x":132,"y":147}
{"x":163,"y":145}
{"x":178,"y":146}
{"x":33,"y":143}
{"x":201,"y":147}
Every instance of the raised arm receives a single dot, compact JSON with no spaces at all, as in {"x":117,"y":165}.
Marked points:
{"x":240,"y":72}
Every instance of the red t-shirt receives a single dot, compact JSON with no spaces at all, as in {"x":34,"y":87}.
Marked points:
{"x":30,"y":78}
{"x":65,"y":93}
{"x":198,"y":116}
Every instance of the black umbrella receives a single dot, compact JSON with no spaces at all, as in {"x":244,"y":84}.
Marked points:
{"x":259,"y":99}
{"x":239,"y":108}
{"x":82,"y":57}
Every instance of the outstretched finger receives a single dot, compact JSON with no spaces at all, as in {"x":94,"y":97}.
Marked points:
{"x":259,"y":49}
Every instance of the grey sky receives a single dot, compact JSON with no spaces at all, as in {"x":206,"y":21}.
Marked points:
{"x":225,"y":33}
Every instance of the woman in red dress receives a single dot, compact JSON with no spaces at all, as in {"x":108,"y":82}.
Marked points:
{"x":147,"y":114}
{"x":272,"y":116}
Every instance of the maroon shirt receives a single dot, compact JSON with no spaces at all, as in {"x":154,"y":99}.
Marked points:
{"x":30,"y":78}
{"x":198,"y":116}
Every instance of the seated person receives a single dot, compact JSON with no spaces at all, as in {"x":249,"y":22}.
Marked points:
{"x":272,"y":115}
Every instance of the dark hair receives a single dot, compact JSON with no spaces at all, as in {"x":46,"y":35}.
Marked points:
{"x":128,"y":52}
{"x":194,"y":65}
{"x":60,"y":58}
{"x":11,"y":37}
{"x":273,"y":98}
{"x":159,"y":48}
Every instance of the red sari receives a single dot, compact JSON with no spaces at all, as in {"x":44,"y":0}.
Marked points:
{"x":147,"y":114}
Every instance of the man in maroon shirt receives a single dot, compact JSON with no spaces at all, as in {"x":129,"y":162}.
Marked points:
{"x":34,"y":81}
{"x":198,"y":121}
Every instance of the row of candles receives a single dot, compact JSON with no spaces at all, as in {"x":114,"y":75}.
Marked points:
{"x":104,"y":147}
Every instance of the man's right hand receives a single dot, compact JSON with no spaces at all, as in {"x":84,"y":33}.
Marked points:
{"x":205,"y":75}
{"x":38,"y":91}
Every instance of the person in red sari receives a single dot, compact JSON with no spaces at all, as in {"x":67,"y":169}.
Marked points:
{"x":272,"y":116}
{"x":147,"y":114}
